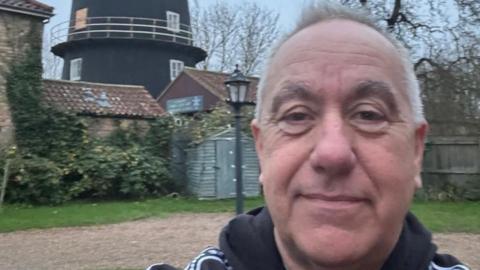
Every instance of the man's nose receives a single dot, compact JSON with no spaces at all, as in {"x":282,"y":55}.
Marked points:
{"x":332,"y":152}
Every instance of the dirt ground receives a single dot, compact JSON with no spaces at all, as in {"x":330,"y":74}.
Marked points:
{"x":135,"y":245}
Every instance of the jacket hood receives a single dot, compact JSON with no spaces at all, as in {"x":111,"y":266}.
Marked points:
{"x":248,"y":243}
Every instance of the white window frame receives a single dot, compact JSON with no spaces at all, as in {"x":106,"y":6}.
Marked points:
{"x":76,"y":69}
{"x":173,"y":21}
{"x":176,"y":67}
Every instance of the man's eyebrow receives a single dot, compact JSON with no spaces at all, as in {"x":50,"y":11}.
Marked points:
{"x":371,"y":88}
{"x":292,"y":91}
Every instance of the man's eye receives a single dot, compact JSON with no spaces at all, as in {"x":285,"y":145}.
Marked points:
{"x":295,"y":123}
{"x":371,"y":116}
{"x":369,"y":119}
{"x":295,"y":117}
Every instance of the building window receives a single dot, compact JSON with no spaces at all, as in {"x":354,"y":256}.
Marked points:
{"x":173,"y":21}
{"x":176,"y":68}
{"x":76,"y":69}
{"x":81,"y":18}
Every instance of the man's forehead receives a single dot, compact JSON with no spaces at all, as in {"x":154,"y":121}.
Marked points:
{"x":333,"y":41}
{"x":336,"y":37}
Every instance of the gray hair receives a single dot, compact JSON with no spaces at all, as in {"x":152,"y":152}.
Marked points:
{"x":327,"y":10}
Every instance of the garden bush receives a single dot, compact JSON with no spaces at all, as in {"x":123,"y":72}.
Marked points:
{"x":57,"y":160}
{"x":36,"y":180}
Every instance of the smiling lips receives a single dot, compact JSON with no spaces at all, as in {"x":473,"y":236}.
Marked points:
{"x":337,"y":202}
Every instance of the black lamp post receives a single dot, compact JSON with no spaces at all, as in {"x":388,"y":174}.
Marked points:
{"x":237,"y":88}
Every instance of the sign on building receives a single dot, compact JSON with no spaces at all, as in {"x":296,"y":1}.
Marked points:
{"x":185,"y":104}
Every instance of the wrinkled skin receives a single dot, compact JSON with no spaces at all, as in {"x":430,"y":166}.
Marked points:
{"x":339,"y":151}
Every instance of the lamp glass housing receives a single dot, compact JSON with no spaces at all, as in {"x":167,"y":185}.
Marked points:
{"x":237,"y":87}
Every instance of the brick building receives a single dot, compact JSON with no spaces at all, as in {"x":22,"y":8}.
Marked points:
{"x":197,"y":90}
{"x":18,"y":19}
{"x":105,"y":107}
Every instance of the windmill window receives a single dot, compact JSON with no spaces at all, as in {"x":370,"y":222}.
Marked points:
{"x":176,"y":68}
{"x":76,"y":69}
{"x":81,"y":18}
{"x":173,"y":21}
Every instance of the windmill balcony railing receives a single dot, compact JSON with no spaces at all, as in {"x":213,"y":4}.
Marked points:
{"x":120,"y":27}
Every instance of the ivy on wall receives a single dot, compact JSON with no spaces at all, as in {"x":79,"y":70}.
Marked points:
{"x":58,"y":161}
{"x":39,"y":130}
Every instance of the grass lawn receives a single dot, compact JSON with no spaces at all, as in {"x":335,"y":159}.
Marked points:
{"x":449,"y":216}
{"x":437,"y":216}
{"x":15,"y":217}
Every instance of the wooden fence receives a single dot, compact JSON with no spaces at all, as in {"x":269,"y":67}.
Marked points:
{"x":451,"y":167}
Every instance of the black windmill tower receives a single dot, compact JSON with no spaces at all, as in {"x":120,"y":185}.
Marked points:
{"x":139,"y":42}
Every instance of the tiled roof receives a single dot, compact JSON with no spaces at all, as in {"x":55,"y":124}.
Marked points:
{"x":214,"y":82}
{"x":27,"y":6}
{"x":97,"y":99}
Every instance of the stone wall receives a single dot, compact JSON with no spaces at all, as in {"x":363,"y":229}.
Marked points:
{"x":15,"y":30}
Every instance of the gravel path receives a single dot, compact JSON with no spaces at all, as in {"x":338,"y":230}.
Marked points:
{"x":135,"y":245}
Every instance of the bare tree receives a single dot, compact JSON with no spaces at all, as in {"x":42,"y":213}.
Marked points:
{"x":213,"y":30}
{"x":258,"y":30}
{"x":443,"y":37}
{"x":233,"y":34}
{"x":52,"y":64}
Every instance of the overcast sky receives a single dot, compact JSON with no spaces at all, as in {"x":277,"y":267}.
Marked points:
{"x":288,"y":10}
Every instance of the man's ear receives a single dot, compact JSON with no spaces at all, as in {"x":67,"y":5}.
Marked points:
{"x":420,"y":135}
{"x":254,"y":126}
{"x":257,"y":136}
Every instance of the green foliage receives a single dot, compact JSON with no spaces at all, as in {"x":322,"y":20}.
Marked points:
{"x":219,"y":118}
{"x":39,"y":130}
{"x":111,"y":172}
{"x":157,"y":139}
{"x":36,"y":180}
{"x":3,"y":157}
{"x":447,"y":191}
{"x":58,"y":161}
{"x":97,"y":171}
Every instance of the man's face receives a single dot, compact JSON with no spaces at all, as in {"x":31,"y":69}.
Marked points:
{"x":339,"y":152}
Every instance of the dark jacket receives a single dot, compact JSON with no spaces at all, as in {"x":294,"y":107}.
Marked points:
{"x":247,"y":243}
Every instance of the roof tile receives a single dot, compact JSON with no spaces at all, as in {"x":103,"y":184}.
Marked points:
{"x":214,"y":82}
{"x":97,"y":99}
{"x":28,"y":5}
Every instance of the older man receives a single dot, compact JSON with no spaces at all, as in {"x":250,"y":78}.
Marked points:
{"x":339,"y":132}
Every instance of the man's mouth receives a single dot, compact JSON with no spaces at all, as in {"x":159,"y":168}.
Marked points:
{"x":333,"y":201}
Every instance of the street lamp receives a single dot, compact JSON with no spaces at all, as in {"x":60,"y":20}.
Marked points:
{"x":237,"y":89}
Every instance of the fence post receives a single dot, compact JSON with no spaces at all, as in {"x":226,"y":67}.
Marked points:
{"x":11,"y":152}
{"x":6,"y":173}
{"x":478,"y":161}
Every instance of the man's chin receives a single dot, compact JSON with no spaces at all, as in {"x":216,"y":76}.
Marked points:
{"x":334,"y":248}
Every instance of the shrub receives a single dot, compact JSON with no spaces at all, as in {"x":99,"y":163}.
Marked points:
{"x":57,"y":160}
{"x":36,"y":180}
{"x":145,"y":174}
{"x":112,"y":172}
